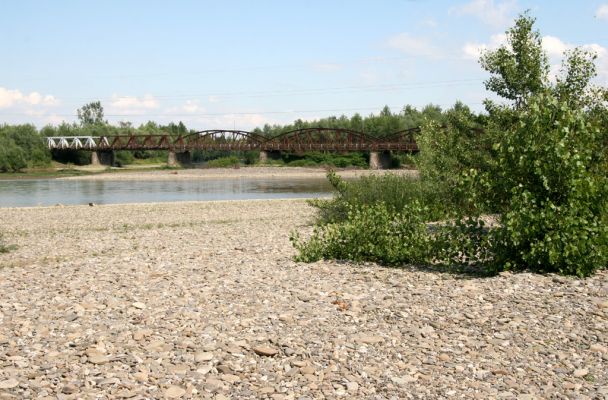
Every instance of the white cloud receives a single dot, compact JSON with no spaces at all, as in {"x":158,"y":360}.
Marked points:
{"x":14,"y":97}
{"x":602,"y":12}
{"x":472,"y":50}
{"x":497,"y":15}
{"x":413,"y":45}
{"x":192,"y":106}
{"x":133,"y":103}
{"x":554,"y":46}
{"x":213,"y":99}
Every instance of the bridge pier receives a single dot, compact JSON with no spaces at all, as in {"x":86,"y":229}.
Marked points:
{"x":379,"y":160}
{"x":266,"y":155}
{"x":178,"y":159}
{"x":99,"y":158}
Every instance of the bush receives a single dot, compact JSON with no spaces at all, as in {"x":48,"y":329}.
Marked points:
{"x":123,"y":157}
{"x":556,"y":193}
{"x":224,"y":162}
{"x":373,"y":233}
{"x":394,"y":191}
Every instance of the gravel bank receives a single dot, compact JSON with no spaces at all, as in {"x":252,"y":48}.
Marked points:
{"x":229,"y":173}
{"x":202,"y":300}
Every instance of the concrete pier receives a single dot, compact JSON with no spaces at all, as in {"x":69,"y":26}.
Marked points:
{"x":103,"y":158}
{"x":179,"y":159}
{"x":379,"y":160}
{"x":266,"y":155}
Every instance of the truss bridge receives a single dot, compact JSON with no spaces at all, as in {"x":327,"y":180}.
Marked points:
{"x":294,"y":141}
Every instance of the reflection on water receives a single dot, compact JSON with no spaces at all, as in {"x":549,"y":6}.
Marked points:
{"x":25,"y":193}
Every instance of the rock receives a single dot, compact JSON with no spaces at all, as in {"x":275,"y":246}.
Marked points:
{"x":97,"y":358}
{"x":365,"y":339}
{"x":444,"y":357}
{"x":174,"y":392}
{"x":603,"y":304}
{"x":352,"y":386}
{"x":203,"y":356}
{"x":579,"y":373}
{"x":69,"y":389}
{"x":598,"y":348}
{"x":9,"y":383}
{"x":307,"y":370}
{"x":139,"y":305}
{"x":265,"y":351}
{"x":230,"y":378}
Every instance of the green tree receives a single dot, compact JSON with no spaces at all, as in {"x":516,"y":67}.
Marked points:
{"x":91,"y":114}
{"x":520,"y":68}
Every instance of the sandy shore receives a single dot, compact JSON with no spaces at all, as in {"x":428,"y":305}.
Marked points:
{"x":234,"y":173}
{"x":203,"y":300}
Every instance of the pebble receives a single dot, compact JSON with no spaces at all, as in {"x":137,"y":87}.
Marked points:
{"x":204,"y":300}
{"x":265,"y":351}
{"x":174,"y":392}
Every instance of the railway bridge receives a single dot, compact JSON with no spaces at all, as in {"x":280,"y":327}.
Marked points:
{"x":297,"y":141}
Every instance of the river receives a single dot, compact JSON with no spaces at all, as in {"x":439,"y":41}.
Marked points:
{"x":46,"y":192}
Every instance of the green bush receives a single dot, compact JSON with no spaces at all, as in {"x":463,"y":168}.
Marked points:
{"x":123,"y":157}
{"x":373,"y":233}
{"x":224,"y":162}
{"x":21,"y":147}
{"x":556,"y":193}
{"x":394,"y":191}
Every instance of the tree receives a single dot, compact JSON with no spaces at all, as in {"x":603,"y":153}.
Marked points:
{"x":520,"y":68}
{"x":91,"y":114}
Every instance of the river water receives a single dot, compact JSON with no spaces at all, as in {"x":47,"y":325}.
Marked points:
{"x":45,"y":192}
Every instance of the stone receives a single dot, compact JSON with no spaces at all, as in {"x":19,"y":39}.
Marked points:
{"x":365,"y":339}
{"x":598,"y":348}
{"x":444,"y":357}
{"x":579,"y":373}
{"x":352,"y":386}
{"x":307,"y":370}
{"x":139,"y":305}
{"x":265,"y":351}
{"x":9,"y":383}
{"x":97,"y":358}
{"x":69,"y":389}
{"x":203,"y":356}
{"x":174,"y":392}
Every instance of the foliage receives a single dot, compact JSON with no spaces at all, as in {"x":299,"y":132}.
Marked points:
{"x":91,"y":114}
{"x":224,"y":162}
{"x":317,"y":158}
{"x":394,"y":191}
{"x":520,"y":68}
{"x":21,"y":147}
{"x":540,"y":164}
{"x":123,"y":157}
{"x":373,"y":233}
{"x":5,"y":248}
{"x":556,"y":194}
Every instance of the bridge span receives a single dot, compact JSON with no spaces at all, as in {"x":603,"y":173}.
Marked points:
{"x":294,"y":141}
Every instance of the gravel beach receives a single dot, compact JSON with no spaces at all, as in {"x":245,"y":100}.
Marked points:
{"x":234,"y":173}
{"x":203,"y":300}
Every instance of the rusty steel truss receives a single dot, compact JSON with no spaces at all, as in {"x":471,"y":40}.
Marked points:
{"x":297,"y":140}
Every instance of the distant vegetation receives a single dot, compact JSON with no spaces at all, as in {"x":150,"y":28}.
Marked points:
{"x":536,"y":166}
{"x":23,"y":146}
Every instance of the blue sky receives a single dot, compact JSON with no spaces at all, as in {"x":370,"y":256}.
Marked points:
{"x":225,"y":64}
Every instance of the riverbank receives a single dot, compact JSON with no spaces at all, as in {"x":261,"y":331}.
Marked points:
{"x":235,"y":173}
{"x":203,"y":300}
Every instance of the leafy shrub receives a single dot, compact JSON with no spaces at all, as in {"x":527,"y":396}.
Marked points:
{"x":394,"y":191}
{"x":556,"y":194}
{"x":5,"y":248}
{"x":224,"y":162}
{"x":123,"y":157}
{"x":372,"y":233}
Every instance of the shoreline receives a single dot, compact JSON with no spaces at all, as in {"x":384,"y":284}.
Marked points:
{"x":235,"y":173}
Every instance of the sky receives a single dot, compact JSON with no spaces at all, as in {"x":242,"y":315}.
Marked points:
{"x":241,"y":64}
